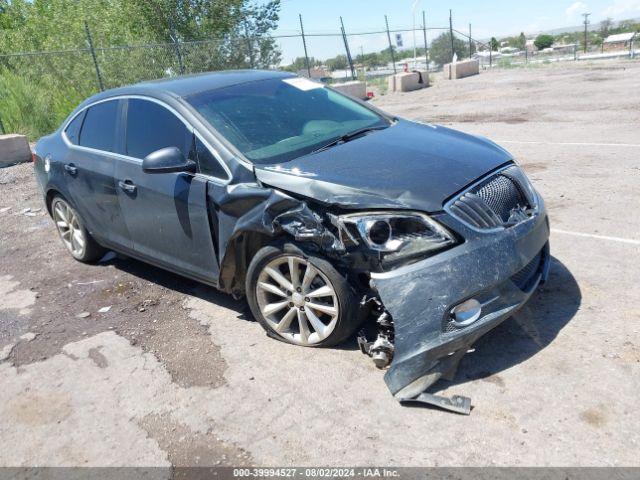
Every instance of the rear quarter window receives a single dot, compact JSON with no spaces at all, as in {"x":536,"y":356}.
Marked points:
{"x":99,"y":128}
{"x":73,"y":129}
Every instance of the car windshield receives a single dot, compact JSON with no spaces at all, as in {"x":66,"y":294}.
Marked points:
{"x":277,"y":120}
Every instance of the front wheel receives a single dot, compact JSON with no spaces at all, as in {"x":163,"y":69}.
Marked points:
{"x":300,"y":299}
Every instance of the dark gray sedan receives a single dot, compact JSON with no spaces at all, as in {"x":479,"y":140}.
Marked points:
{"x":323,"y":211}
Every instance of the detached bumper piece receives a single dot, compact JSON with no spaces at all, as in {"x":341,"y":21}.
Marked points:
{"x":456,"y":404}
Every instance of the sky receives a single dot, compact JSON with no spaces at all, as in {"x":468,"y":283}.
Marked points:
{"x":488,"y":18}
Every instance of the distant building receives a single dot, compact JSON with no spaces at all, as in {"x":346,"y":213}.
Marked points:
{"x":530,"y":46}
{"x":620,"y":41}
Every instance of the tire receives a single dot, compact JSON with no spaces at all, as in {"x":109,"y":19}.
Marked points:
{"x":320,"y":312}
{"x":75,"y":237}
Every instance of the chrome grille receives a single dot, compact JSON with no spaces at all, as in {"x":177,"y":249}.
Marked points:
{"x":497,"y":201}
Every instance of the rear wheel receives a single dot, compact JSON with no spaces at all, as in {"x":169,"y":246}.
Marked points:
{"x":300,"y":299}
{"x":74,"y":235}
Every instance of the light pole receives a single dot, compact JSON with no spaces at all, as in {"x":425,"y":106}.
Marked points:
{"x":453,"y":50}
{"x":415,"y":45}
{"x":586,"y":23}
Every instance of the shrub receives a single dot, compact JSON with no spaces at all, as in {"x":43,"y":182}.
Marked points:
{"x":543,"y":41}
{"x":33,"y":108}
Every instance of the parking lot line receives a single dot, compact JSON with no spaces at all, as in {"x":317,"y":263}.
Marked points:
{"x":599,"y":237}
{"x":580,"y":144}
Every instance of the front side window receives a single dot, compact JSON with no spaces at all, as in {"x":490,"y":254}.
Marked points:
{"x":151,"y":127}
{"x":207,"y":163}
{"x":99,"y":128}
{"x":277,"y":120}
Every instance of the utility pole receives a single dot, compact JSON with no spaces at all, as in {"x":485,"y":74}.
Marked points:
{"x":304,"y":44}
{"x":470,"y":41}
{"x":346,"y":47}
{"x":586,"y":23}
{"x":424,"y":33}
{"x":393,"y":57}
{"x":413,"y":31}
{"x":453,"y":51}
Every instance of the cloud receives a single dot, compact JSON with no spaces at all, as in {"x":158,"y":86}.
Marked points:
{"x":622,"y":7}
{"x":576,"y":8}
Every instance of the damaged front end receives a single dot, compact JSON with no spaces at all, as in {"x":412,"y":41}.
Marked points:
{"x":484,"y":257}
{"x":442,"y":304}
{"x":431,"y":284}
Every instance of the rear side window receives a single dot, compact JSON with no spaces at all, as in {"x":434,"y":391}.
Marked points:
{"x":208,"y":164}
{"x":99,"y":127}
{"x":73,"y":129}
{"x":151,"y":127}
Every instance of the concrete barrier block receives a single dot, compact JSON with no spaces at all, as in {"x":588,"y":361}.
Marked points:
{"x":14,"y":149}
{"x":354,"y":89}
{"x":465,"y":68}
{"x":408,"y":81}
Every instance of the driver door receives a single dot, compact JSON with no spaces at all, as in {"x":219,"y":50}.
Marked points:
{"x":166,"y":213}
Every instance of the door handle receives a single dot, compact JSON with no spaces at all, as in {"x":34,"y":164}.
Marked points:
{"x":71,"y":168}
{"x":127,"y":186}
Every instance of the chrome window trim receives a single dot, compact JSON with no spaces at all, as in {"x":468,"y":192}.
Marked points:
{"x":447,"y":205}
{"x":217,"y":180}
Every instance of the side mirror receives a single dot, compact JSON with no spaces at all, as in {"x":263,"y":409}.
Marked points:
{"x":167,"y":160}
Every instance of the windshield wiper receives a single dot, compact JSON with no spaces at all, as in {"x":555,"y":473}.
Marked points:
{"x":349,"y":136}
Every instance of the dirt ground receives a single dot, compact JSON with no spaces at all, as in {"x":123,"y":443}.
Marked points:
{"x":175,"y":373}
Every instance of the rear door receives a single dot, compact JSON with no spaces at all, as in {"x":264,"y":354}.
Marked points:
{"x":166,"y":213}
{"x":89,"y":169}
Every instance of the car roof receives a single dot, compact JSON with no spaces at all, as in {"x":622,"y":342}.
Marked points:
{"x":187,"y":85}
{"x":191,"y":84}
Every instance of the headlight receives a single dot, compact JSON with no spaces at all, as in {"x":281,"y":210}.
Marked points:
{"x":396,"y":233}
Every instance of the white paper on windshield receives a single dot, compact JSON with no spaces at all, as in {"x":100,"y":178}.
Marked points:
{"x":303,"y":84}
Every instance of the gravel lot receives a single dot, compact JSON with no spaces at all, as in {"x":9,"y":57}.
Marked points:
{"x":175,"y":373}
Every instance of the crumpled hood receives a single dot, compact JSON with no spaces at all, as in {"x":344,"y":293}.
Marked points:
{"x":407,"y":166}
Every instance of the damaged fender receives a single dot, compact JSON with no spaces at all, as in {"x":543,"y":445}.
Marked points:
{"x":249,"y":208}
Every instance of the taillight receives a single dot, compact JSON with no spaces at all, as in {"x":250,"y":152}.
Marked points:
{"x":33,"y":156}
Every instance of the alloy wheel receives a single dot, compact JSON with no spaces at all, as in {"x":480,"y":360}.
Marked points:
{"x":69,"y":228}
{"x":297,"y":300}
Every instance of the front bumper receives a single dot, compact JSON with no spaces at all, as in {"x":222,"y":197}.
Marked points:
{"x":501,"y":269}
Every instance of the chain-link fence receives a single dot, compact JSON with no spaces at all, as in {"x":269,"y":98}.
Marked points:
{"x":559,"y":53}
{"x":39,"y":89}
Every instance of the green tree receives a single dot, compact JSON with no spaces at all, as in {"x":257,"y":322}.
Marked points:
{"x":605,"y":27}
{"x":493,"y":44}
{"x":299,"y":63}
{"x":543,"y":41}
{"x":188,"y":20}
{"x":229,"y":34}
{"x":371,"y":60}
{"x":440,"y":49}
{"x":521,"y":43}
{"x":337,"y":63}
